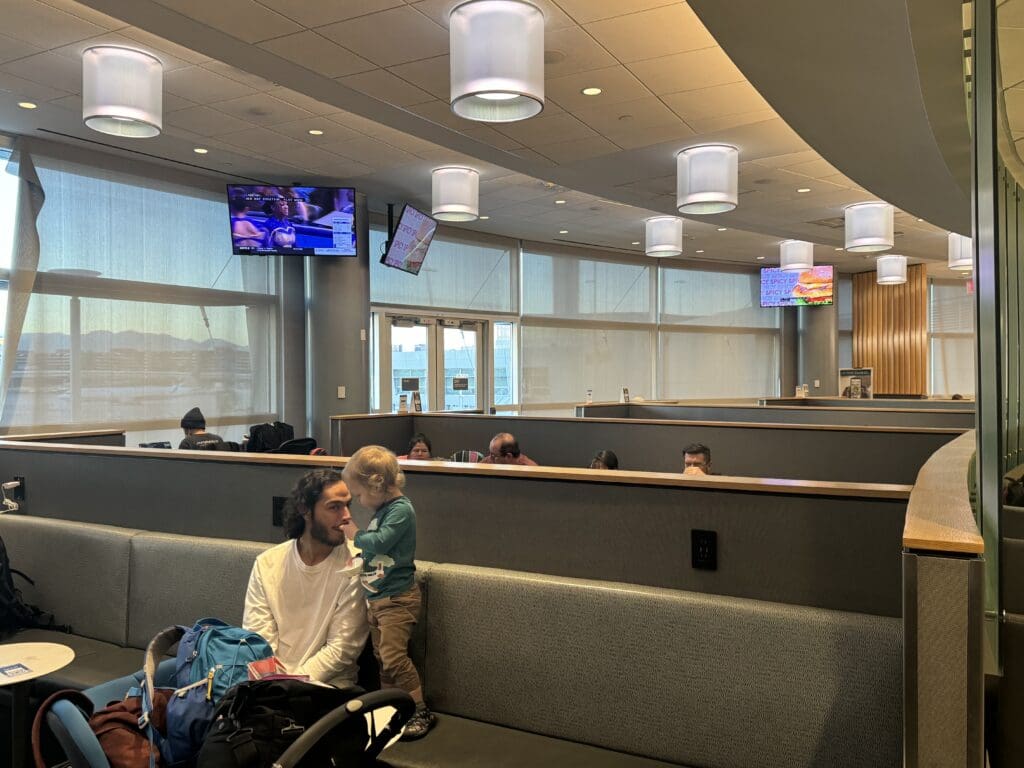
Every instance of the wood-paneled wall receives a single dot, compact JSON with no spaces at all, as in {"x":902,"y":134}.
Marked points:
{"x":890,"y":331}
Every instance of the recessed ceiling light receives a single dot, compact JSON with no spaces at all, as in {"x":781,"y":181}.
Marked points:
{"x":722,"y":229}
{"x":760,"y":258}
{"x":920,"y":219}
{"x":563,"y":231}
{"x":701,"y":251}
{"x":559,"y":202}
{"x":839,"y":249}
{"x":484,"y":218}
{"x":591,"y":91}
{"x":635,"y":242}
{"x":26,"y":105}
{"x":200,"y":150}
{"x":315,"y":132}
{"x":804,"y":189}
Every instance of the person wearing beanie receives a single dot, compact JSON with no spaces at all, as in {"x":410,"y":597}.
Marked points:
{"x":196,"y":437}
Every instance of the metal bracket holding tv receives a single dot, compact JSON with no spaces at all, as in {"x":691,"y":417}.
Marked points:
{"x":409,"y":241}
{"x":297,"y":221}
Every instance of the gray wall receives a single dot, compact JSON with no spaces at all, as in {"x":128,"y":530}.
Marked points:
{"x":876,"y":402}
{"x":818,"y":349}
{"x":292,"y":341}
{"x":825,"y":551}
{"x":338,"y":317}
{"x":806,"y":453}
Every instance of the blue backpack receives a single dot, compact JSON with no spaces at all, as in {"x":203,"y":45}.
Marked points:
{"x":212,"y":657}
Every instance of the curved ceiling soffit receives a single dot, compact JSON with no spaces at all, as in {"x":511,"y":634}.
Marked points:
{"x":845,"y":76}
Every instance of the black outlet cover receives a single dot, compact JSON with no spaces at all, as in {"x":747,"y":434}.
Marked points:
{"x":277,"y":515}
{"x":704,"y":550}
{"x":18,"y":494}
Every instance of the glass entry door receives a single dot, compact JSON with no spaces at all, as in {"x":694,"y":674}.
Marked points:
{"x":437,"y":360}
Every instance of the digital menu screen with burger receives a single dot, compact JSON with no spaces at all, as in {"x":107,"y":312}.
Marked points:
{"x":809,"y":287}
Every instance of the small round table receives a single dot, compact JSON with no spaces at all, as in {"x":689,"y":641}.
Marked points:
{"x":21,"y":663}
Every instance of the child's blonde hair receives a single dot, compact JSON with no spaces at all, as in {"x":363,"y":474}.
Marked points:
{"x":375,"y":468}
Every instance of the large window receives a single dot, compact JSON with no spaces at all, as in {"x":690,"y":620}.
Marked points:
{"x":715,"y":338}
{"x":951,"y":332}
{"x":138,"y":311}
{"x":468,"y":275}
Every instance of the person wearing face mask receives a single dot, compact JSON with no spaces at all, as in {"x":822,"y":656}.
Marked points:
{"x":304,"y":595}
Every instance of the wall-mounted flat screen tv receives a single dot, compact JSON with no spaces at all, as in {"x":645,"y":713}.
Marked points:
{"x":809,"y":287}
{"x":300,"y":221}
{"x":409,"y":244}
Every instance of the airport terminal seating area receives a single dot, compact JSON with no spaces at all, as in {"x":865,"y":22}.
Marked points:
{"x":524,"y":669}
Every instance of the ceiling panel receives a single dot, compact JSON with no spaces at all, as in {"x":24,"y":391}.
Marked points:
{"x":74,"y":50}
{"x":714,"y":124}
{"x":84,"y":12}
{"x":11,"y":49}
{"x":715,"y":102}
{"x":244,"y":19}
{"x":316,"y":13}
{"x":568,"y":152}
{"x":432,"y":75}
{"x":617,"y":84}
{"x":205,"y":121}
{"x":648,"y":112}
{"x":385,"y":86}
{"x":258,"y":140}
{"x":27,"y":90}
{"x":571,"y":49}
{"x":160,"y":45}
{"x":374,"y":153}
{"x":44,"y":26}
{"x":628,"y":137}
{"x":687,"y":71}
{"x":653,"y":33}
{"x":584,"y":11}
{"x":302,"y":101}
{"x":48,"y":69}
{"x":233,"y":73}
{"x":202,"y":86}
{"x":318,"y":54}
{"x":440,"y":10}
{"x":262,"y":109}
{"x":546,"y":129}
{"x":390,"y":37}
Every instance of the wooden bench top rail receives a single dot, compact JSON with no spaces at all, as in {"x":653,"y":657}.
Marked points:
{"x":45,"y":436}
{"x":939,"y":516}
{"x":772,"y":408}
{"x":670,"y":422}
{"x":571,"y":474}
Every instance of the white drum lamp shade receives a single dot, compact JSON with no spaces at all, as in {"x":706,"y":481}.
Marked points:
{"x":456,"y":193}
{"x":795,"y":255}
{"x":663,"y":236}
{"x":891,"y":270}
{"x":122,"y":91}
{"x":497,"y":60}
{"x":707,"y":179}
{"x":869,"y":227}
{"x":961,"y":253}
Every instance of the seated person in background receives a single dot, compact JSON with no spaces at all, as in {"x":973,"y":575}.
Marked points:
{"x":304,"y":595}
{"x":504,"y":449}
{"x":957,"y":397}
{"x":696,"y":459}
{"x":244,"y":232}
{"x":605,"y":460}
{"x":419,"y":448}
{"x":466,"y":456}
{"x":196,"y":437}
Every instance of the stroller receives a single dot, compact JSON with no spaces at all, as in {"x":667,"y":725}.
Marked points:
{"x":70,"y":727}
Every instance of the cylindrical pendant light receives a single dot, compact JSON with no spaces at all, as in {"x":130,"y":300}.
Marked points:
{"x":795,"y":255}
{"x":961,"y":253}
{"x":707,"y":179}
{"x":122,"y":91}
{"x":869,"y":227}
{"x":456,"y":193}
{"x":497,"y":60}
{"x":663,"y":236}
{"x":891,"y":270}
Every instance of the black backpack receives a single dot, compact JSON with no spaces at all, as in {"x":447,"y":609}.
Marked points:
{"x":268,"y":437}
{"x":15,"y":613}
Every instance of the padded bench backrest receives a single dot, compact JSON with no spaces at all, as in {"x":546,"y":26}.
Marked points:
{"x":684,"y":677}
{"x":178,"y":579}
{"x":80,"y":571}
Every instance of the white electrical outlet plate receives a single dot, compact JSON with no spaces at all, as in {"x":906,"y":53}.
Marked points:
{"x":817,"y":383}
{"x":341,"y":393}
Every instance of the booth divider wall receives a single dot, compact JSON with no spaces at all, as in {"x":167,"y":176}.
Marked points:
{"x":785,"y":414}
{"x":829,"y":545}
{"x":914,"y":404}
{"x":805,"y":452}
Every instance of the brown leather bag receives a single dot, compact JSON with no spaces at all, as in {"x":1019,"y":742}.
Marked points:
{"x":116,"y":728}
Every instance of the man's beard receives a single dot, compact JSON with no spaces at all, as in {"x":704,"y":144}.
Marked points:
{"x":322,"y":533}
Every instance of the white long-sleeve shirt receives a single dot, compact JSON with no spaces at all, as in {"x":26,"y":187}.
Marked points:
{"x":314,"y":617}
